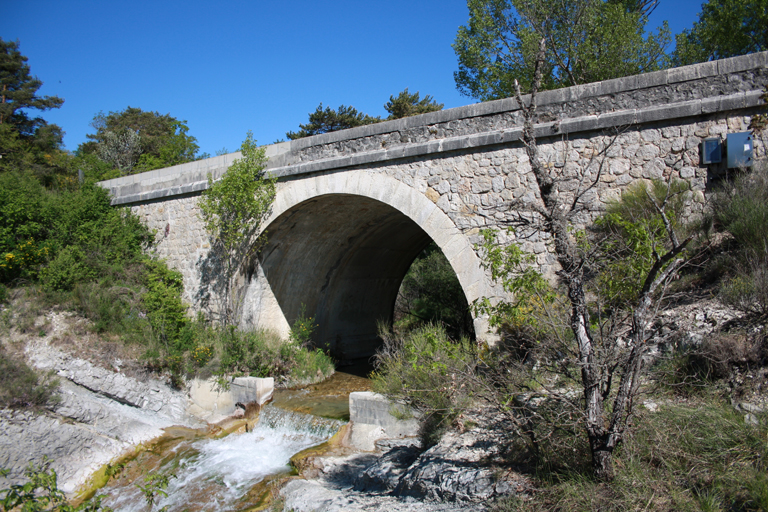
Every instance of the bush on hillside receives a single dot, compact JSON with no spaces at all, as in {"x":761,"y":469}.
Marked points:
{"x":740,"y":208}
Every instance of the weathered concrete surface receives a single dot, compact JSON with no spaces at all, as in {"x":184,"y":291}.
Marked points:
{"x":213,"y":403}
{"x":354,"y":207}
{"x":371,"y":418}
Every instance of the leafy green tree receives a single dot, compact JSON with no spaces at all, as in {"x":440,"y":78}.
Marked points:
{"x":587,"y":41}
{"x":26,"y":142}
{"x":725,"y":28}
{"x":135,"y":140}
{"x":406,"y":104}
{"x":233,"y":210}
{"x":330,"y":120}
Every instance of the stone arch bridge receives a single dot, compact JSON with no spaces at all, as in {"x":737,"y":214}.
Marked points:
{"x":355,"y":207}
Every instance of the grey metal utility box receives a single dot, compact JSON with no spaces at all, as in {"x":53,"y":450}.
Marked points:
{"x":739,"y":149}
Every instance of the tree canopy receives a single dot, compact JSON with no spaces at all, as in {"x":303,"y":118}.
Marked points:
{"x":327,"y":120}
{"x":406,"y":104}
{"x":136,"y":140}
{"x":330,"y":120}
{"x":725,"y":28}
{"x":587,"y":41}
{"x":25,"y":141}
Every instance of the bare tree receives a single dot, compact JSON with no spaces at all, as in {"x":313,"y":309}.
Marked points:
{"x":610,"y":352}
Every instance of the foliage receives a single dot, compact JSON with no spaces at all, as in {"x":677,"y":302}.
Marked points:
{"x":302,"y":329}
{"x":718,"y":357}
{"x":20,"y":386}
{"x":610,"y":341}
{"x":512,"y":269}
{"x":207,"y":349}
{"x":40,"y":228}
{"x":702,"y":456}
{"x":135,"y":140}
{"x":740,"y":208}
{"x":26,"y":143}
{"x":69,"y":267}
{"x":154,"y":486}
{"x":233,"y":210}
{"x":540,"y":347}
{"x":431,"y":293}
{"x":121,"y":149}
{"x":748,"y":289}
{"x":427,"y":370}
{"x":406,"y":104}
{"x":41,"y":493}
{"x":725,"y":28}
{"x":330,"y":120}
{"x":162,"y":300}
{"x":631,"y":234}
{"x":587,"y":41}
{"x":19,"y":90}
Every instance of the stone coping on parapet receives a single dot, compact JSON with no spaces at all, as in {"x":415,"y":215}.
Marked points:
{"x":284,"y":160}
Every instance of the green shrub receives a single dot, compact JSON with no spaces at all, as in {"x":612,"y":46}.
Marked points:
{"x":740,"y":208}
{"x":693,"y":457}
{"x":630,"y":234}
{"x":431,"y":293}
{"x":206,"y":349}
{"x":41,"y":493}
{"x":21,"y":386}
{"x":302,"y":329}
{"x":68,"y":268}
{"x":162,"y":300}
{"x":748,"y":289}
{"x":428,"y":371}
{"x":112,"y":308}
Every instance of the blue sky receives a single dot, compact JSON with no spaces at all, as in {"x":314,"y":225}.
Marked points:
{"x":231,"y":66}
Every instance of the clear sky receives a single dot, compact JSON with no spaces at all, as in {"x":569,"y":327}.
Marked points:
{"x":227,"y":67}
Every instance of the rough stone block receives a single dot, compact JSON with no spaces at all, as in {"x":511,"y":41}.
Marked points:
{"x":693,"y":72}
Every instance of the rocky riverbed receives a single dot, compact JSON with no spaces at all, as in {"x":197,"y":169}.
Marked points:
{"x":100,"y":414}
{"x":105,"y":410}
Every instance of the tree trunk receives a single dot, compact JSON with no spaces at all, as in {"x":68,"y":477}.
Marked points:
{"x":602,"y":453}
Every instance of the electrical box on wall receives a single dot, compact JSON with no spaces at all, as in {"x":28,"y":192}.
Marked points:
{"x":739,"y":149}
{"x":711,"y":151}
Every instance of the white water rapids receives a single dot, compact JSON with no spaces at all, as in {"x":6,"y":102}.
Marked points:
{"x":213,"y":474}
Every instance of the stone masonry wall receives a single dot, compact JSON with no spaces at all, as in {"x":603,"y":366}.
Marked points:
{"x":598,"y":138}
{"x":475,"y":188}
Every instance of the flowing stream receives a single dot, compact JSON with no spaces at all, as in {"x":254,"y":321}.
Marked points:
{"x":229,"y":473}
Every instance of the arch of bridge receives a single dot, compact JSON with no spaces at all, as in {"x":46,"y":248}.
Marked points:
{"x":339,"y":245}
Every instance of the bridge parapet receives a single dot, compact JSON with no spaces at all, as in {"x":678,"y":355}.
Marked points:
{"x":696,"y":91}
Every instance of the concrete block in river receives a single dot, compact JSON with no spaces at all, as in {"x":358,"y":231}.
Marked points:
{"x":372,"y":418}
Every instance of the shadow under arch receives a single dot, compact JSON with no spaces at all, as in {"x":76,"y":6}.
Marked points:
{"x":342,"y":254}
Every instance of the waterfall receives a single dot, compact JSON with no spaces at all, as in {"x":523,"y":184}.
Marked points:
{"x":212,"y":474}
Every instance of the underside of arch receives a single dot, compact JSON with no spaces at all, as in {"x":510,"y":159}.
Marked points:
{"x":341,"y":258}
{"x":339,"y":245}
